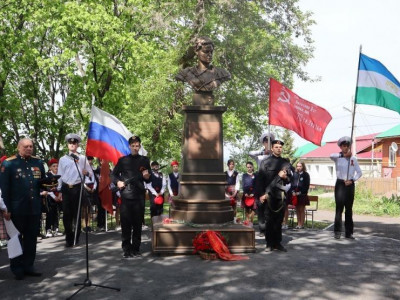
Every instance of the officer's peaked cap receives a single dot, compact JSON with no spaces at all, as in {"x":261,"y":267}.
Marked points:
{"x":72,"y":137}
{"x":264,"y":137}
{"x":344,"y":140}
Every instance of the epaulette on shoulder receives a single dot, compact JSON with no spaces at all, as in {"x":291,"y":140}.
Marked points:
{"x":11,"y":158}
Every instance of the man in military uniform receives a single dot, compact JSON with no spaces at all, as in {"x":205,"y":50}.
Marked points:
{"x":270,"y":182}
{"x":20,"y":185}
{"x":347,"y":171}
{"x":72,"y":167}
{"x":259,"y":156}
{"x":129,"y":175}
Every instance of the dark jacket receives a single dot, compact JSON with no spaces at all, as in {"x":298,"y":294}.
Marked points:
{"x":130,"y":168}
{"x":19,"y":183}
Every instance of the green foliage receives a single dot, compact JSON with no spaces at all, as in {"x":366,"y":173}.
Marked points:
{"x":365,"y":203}
{"x":288,"y":148}
{"x":57,"y":58}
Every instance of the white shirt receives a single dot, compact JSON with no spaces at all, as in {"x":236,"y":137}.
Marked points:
{"x":342,"y":164}
{"x":258,"y":156}
{"x":3,"y":206}
{"x":68,"y":171}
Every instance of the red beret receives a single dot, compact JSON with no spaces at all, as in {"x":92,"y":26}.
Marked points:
{"x":3,"y":158}
{"x":174,"y":163}
{"x":52,"y":161}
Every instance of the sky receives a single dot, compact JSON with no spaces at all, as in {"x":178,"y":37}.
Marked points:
{"x":341,"y":27}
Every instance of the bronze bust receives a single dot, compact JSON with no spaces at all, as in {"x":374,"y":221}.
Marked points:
{"x":203,"y":78}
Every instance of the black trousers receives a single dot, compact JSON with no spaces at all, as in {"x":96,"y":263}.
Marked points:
{"x":155,"y":209}
{"x":28,"y":226}
{"x":101,"y":216}
{"x":132,"y":214}
{"x":52,"y":217}
{"x":70,"y":209}
{"x":344,"y":199}
{"x":261,"y":216}
{"x":273,"y":223}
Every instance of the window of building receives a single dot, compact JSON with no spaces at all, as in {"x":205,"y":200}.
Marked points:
{"x":392,"y":157}
{"x":330,"y":170}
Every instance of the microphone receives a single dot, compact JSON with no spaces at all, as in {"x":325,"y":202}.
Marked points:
{"x":74,"y":156}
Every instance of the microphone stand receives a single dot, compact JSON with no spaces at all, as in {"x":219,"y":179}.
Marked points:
{"x":87,"y":282}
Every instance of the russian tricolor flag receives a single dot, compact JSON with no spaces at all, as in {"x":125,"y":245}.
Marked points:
{"x":107,"y":137}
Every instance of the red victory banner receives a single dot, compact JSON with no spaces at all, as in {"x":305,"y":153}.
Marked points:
{"x":288,"y":110}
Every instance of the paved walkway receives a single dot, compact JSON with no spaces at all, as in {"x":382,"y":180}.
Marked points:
{"x":316,"y":266}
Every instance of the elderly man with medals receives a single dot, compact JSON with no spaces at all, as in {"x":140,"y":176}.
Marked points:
{"x":21,"y":179}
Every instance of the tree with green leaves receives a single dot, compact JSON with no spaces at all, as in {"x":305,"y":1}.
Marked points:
{"x":58,"y":58}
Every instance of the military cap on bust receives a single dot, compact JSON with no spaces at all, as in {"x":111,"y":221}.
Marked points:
{"x":279,"y":142}
{"x":134,"y":139}
{"x":72,"y":138}
{"x":264,"y":137}
{"x":344,"y":140}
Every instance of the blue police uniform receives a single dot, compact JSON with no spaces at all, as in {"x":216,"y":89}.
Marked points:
{"x":20,"y":185}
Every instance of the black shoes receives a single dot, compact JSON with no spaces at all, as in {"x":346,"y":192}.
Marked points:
{"x":127,"y":254}
{"x":19,"y":276}
{"x":350,"y":237}
{"x":269,"y":249}
{"x":280,"y":248}
{"x":33,"y":273}
{"x":337,"y":235}
{"x":277,"y":247}
{"x":130,"y":254}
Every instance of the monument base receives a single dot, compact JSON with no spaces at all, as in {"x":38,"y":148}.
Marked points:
{"x":178,"y":238}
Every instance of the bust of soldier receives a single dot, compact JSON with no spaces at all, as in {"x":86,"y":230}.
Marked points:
{"x":203,"y":78}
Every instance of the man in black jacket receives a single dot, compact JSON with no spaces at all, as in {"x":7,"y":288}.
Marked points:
{"x":270,"y":183}
{"x":129,"y":175}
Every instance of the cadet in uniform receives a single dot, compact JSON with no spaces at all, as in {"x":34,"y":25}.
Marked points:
{"x":232,"y":185}
{"x":72,"y":167}
{"x":156,"y":187}
{"x":270,"y":183}
{"x":20,"y":185}
{"x":173,"y":182}
{"x":259,"y":156}
{"x":347,"y":172}
{"x":128,"y":175}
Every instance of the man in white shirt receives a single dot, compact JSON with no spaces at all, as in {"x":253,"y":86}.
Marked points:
{"x":347,"y":172}
{"x":72,"y":167}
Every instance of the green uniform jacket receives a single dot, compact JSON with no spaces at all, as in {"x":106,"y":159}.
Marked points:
{"x":19,"y":183}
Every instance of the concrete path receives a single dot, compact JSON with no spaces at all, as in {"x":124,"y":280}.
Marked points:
{"x":316,"y":266}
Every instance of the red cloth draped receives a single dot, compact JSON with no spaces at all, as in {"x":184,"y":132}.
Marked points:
{"x":221,"y":249}
{"x":105,"y":194}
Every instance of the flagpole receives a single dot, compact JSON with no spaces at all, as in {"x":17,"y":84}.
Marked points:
{"x":269,"y":118}
{"x":354,"y":111}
